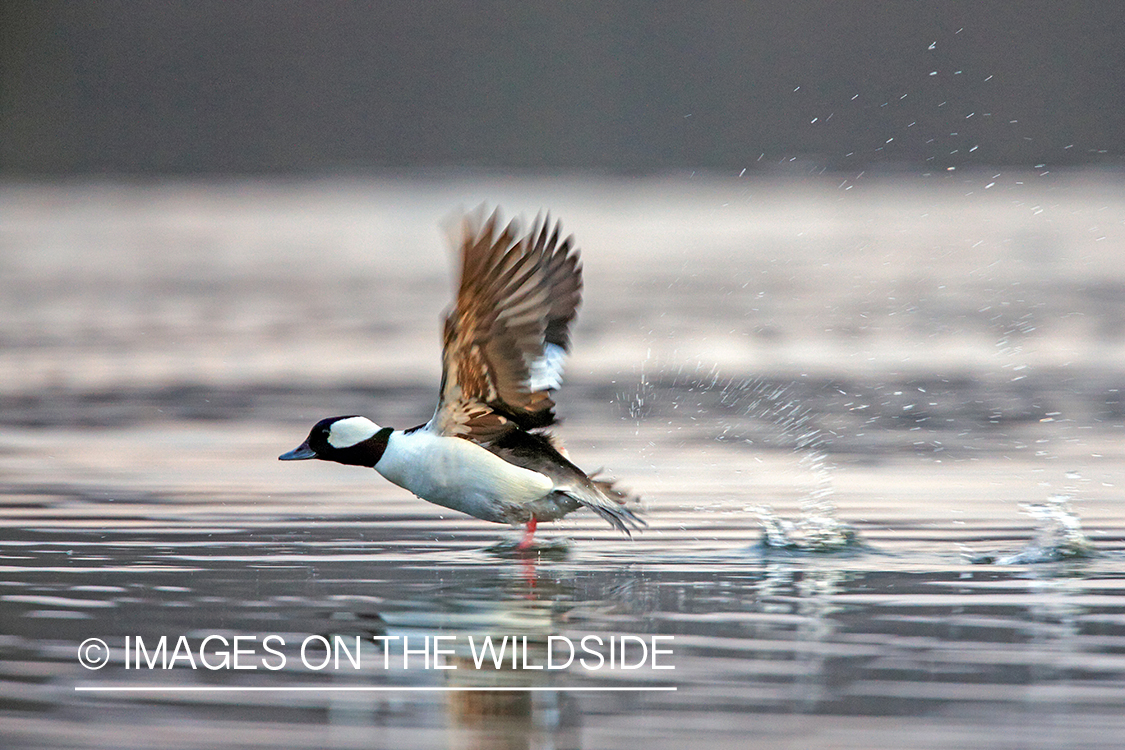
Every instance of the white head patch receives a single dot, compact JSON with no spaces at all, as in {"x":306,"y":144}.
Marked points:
{"x":345,"y":433}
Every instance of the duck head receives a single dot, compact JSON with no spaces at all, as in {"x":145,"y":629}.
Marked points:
{"x":352,"y":440}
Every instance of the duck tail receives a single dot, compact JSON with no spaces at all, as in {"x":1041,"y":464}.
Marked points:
{"x":621,"y":508}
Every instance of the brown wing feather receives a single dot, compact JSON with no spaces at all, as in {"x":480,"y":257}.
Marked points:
{"x":517,"y":295}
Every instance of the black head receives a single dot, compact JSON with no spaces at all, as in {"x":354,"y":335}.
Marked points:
{"x":347,"y":440}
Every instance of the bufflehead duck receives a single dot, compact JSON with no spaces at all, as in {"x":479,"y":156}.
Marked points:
{"x":485,"y":451}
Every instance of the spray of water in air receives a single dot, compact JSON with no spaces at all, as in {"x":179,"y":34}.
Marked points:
{"x":758,"y":415}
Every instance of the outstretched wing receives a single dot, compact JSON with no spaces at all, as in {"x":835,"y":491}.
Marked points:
{"x":507,"y":336}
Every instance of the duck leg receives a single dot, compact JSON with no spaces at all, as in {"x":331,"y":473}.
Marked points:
{"x":528,"y":534}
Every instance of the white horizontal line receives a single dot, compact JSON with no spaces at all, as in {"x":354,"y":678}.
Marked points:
{"x":352,"y":689}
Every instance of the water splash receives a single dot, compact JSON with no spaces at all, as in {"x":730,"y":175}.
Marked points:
{"x":761,"y":414}
{"x":815,"y":532}
{"x":1058,"y":536}
{"x":554,"y":550}
{"x":818,"y":529}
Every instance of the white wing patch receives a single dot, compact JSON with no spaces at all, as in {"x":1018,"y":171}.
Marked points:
{"x":345,"y":433}
{"x":547,"y":371}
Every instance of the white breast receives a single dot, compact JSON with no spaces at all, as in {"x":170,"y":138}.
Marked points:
{"x":458,"y":474}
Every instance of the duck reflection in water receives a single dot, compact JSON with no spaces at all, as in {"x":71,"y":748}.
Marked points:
{"x":505,"y":639}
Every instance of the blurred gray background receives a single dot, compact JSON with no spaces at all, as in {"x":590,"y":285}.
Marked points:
{"x":297,"y":86}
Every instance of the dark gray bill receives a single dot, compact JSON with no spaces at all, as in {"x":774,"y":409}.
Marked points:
{"x":300,"y":452}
